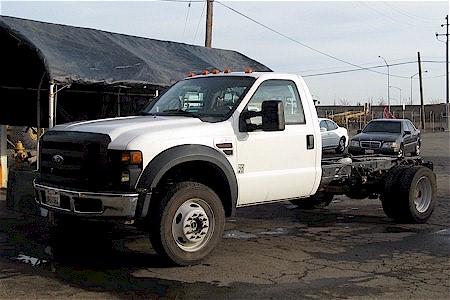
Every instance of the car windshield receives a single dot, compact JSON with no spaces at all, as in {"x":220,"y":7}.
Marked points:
{"x":211,"y":99}
{"x":383,"y":126}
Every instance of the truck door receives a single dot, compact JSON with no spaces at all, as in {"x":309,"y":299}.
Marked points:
{"x":275,"y":165}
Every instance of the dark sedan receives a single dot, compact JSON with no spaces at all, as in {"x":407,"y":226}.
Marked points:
{"x":387,"y":136}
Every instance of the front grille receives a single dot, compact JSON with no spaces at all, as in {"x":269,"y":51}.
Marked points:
{"x":371,"y":144}
{"x":77,"y":159}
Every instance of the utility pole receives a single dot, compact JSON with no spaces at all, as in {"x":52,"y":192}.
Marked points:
{"x":388,"y":97}
{"x":446,"y":70}
{"x":209,"y":17}
{"x":422,"y":107}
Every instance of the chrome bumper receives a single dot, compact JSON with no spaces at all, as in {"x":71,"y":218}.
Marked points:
{"x":86,"y":204}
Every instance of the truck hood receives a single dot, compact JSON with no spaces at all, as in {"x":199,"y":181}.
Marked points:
{"x":123,"y":130}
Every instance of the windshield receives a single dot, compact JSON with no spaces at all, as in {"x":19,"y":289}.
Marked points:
{"x":209,"y":98}
{"x":383,"y":126}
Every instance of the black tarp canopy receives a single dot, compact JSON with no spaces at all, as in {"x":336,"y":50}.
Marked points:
{"x":37,"y":55}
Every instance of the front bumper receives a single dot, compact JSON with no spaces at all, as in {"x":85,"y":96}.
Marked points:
{"x":362,"y":151}
{"x":86,"y":204}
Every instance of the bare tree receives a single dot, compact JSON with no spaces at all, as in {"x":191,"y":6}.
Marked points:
{"x":344,"y":102}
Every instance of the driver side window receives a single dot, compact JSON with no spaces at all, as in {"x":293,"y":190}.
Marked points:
{"x":277,"y":89}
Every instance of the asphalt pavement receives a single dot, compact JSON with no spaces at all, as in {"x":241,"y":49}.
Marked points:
{"x":349,"y":250}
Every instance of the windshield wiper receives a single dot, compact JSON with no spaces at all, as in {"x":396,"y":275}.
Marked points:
{"x":178,"y":111}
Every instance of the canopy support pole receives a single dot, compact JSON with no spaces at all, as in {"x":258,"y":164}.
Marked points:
{"x":51,"y":106}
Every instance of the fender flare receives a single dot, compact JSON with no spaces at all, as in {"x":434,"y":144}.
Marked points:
{"x":171,"y":157}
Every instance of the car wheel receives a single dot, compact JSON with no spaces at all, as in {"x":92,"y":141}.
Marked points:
{"x":416,"y":151}
{"x":187,"y":224}
{"x":416,"y":194}
{"x":341,"y":146}
{"x":401,"y":151}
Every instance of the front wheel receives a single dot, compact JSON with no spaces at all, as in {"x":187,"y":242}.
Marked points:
{"x":187,"y":224}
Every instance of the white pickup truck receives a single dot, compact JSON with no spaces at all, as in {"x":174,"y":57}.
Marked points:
{"x":208,"y":145}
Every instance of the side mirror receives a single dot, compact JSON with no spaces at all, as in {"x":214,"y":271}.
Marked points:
{"x":406,"y":132}
{"x":359,"y":131}
{"x":271,"y":117}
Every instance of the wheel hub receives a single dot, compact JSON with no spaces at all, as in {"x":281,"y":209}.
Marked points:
{"x":195,"y":225}
{"x":190,"y":226}
{"x":422,"y":194}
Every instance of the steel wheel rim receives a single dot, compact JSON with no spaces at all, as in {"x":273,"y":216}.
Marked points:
{"x":191,"y":226}
{"x":423,"y":194}
{"x":341,"y":144}
{"x":400,"y":152}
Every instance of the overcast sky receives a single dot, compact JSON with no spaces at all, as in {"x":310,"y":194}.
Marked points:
{"x":330,"y":43}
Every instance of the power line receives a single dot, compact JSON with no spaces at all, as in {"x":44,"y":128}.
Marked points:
{"x":374,"y":67}
{"x":296,"y":41}
{"x":358,"y":68}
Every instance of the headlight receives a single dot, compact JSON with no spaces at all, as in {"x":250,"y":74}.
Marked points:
{"x":354,"y":143}
{"x":125,"y":166}
{"x":389,"y":145}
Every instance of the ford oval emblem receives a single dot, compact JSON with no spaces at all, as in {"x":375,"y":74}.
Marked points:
{"x":57,"y":159}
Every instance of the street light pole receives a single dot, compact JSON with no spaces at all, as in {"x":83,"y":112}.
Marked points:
{"x":389,"y":101}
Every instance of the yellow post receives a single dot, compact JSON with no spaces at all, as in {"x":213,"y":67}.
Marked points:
{"x":3,"y":158}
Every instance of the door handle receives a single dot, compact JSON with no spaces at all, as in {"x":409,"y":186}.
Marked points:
{"x":309,"y":141}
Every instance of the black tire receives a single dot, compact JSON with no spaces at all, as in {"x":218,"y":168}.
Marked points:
{"x":187,"y":224}
{"x":417,"y":194}
{"x":341,"y":146}
{"x":318,"y":200}
{"x":388,"y":195}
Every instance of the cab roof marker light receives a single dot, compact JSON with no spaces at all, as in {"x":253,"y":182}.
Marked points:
{"x":226,"y":71}
{"x":192,"y":74}
{"x":248,"y":71}
{"x":205,"y":72}
{"x":215,"y":71}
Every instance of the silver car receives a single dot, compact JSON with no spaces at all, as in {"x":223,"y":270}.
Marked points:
{"x":334,"y":137}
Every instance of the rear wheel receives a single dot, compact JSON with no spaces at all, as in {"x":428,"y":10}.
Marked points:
{"x":417,"y":187}
{"x":414,"y":195}
{"x":341,"y":146}
{"x":318,"y":200}
{"x":187,"y":224}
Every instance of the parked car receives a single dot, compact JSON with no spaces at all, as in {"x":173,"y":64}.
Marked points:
{"x":387,"y":136}
{"x":333,"y":136}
